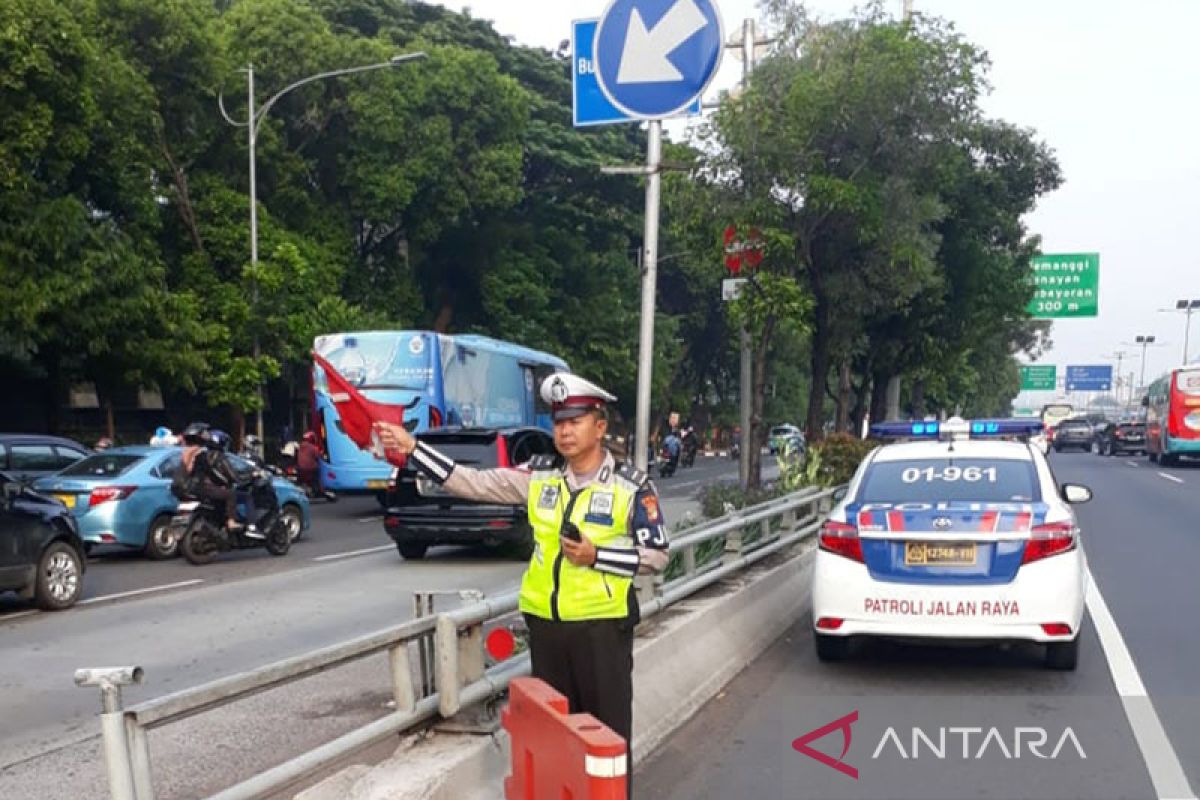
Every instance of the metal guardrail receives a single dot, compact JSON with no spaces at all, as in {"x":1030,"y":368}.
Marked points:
{"x":449,"y":643}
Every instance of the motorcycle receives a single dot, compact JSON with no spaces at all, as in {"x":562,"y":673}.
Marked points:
{"x":688,"y":459}
{"x":668,"y":463}
{"x":200,"y":524}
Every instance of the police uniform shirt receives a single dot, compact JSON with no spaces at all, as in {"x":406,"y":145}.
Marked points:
{"x":510,"y":486}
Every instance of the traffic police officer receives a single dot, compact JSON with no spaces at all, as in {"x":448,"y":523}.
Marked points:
{"x":596,"y":524}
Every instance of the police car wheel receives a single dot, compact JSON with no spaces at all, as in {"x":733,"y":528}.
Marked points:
{"x":1063,"y":655}
{"x":831,"y":648}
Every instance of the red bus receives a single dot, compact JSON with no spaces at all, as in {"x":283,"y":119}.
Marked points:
{"x":1173,"y":415}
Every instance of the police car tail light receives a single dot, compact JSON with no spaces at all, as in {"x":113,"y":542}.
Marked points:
{"x":104,"y":494}
{"x":829,"y":623}
{"x":841,"y":539}
{"x":1056,"y":629}
{"x":1049,"y":540}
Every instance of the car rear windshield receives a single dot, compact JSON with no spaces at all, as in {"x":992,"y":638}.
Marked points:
{"x":1075,"y":425}
{"x":950,"y":479}
{"x":101,"y":466}
{"x":1132,"y":427}
{"x":780,"y":431}
{"x":471,"y":453}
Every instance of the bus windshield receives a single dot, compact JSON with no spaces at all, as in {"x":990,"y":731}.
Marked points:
{"x":379,"y":360}
{"x":1188,"y":381}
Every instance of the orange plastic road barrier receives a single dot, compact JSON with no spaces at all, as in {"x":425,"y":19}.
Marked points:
{"x":556,"y":756}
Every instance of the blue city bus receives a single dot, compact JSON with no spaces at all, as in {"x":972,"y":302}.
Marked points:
{"x":440,"y":380}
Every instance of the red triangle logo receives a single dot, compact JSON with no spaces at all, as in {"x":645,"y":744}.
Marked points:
{"x":843,"y":724}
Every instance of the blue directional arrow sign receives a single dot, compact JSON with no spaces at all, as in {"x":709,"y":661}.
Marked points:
{"x":1097,"y":378}
{"x":654,"y":58}
{"x":590,"y":106}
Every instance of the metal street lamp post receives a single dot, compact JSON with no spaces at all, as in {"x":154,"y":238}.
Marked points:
{"x":1187,"y":307}
{"x":252,"y":124}
{"x":1144,"y":341}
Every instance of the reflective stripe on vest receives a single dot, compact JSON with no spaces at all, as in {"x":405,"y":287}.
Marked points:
{"x":554,"y":588}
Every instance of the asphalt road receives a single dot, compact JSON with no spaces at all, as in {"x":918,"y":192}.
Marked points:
{"x":186,"y":625}
{"x":1133,"y":706}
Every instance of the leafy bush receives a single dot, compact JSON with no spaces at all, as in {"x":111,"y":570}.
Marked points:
{"x":833,"y":460}
{"x":718,"y":499}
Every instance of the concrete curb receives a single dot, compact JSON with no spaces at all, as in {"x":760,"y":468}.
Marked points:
{"x":682,"y":658}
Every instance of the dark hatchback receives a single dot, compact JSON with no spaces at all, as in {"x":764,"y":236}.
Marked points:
{"x":421,"y":514}
{"x":1125,"y":437}
{"x":1073,"y":433}
{"x":41,"y":554}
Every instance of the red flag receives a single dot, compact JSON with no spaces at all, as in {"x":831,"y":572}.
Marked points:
{"x":358,"y":413}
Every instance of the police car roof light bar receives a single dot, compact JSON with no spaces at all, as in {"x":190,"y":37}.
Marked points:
{"x":956,"y":428}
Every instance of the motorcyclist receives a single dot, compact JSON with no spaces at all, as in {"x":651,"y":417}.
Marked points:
{"x":251,"y":449}
{"x":673,"y":445}
{"x":691,"y":444}
{"x":308,"y":464}
{"x":206,"y":472}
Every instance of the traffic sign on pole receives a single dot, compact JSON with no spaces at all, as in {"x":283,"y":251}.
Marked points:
{"x":589,"y":106}
{"x":1039,"y":377}
{"x":1091,"y":378}
{"x":654,"y":58}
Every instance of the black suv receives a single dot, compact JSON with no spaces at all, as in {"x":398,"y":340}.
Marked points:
{"x":41,"y":554}
{"x":1073,"y":433}
{"x":1124,"y":437}
{"x":420,"y":513}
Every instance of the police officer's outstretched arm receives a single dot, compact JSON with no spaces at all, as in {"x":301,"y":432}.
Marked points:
{"x":509,"y":486}
{"x":647,"y":528}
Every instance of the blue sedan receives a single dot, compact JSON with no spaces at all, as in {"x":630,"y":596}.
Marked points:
{"x":123,"y":496}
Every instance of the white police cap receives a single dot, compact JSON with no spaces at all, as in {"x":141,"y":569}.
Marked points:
{"x":572,"y":396}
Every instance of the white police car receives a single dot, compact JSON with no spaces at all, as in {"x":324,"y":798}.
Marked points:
{"x":960,"y":532}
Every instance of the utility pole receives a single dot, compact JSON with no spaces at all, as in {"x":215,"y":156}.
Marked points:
{"x":747,"y":43}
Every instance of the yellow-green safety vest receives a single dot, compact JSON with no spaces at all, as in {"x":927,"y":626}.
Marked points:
{"x":554,"y":588}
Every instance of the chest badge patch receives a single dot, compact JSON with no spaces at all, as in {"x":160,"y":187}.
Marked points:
{"x":601,"y":504}
{"x":548,"y":498}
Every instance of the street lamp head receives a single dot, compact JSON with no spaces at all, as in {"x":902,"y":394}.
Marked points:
{"x":1195,"y":304}
{"x":1181,"y":304}
{"x":1149,"y":340}
{"x":400,"y":59}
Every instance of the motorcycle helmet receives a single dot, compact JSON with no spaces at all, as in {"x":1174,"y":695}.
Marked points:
{"x":219,"y":440}
{"x":196,"y":433}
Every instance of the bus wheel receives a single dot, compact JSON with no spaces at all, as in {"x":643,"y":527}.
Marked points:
{"x":382,"y":499}
{"x":1168,"y":459}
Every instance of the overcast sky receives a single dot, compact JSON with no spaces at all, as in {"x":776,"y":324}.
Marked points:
{"x":1113,"y":87}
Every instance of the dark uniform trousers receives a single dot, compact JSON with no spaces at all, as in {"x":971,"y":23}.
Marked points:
{"x":591,"y":663}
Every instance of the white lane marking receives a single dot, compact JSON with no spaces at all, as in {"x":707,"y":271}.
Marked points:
{"x":1133,"y":463}
{"x":375,"y":518}
{"x":136,"y":592}
{"x":1166,"y":773}
{"x":1169,"y":477}
{"x":18,"y":615}
{"x":352,"y":553}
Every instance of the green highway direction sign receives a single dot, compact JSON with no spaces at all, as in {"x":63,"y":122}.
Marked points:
{"x":1065,"y":284}
{"x":1039,"y":378}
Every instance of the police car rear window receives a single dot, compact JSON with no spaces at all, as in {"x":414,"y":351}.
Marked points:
{"x":930,"y":480}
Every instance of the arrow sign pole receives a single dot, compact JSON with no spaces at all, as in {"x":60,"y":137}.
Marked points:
{"x":649,"y":289}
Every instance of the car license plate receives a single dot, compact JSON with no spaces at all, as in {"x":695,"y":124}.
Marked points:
{"x":67,"y":500}
{"x":939,"y":554}
{"x":377,"y":484}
